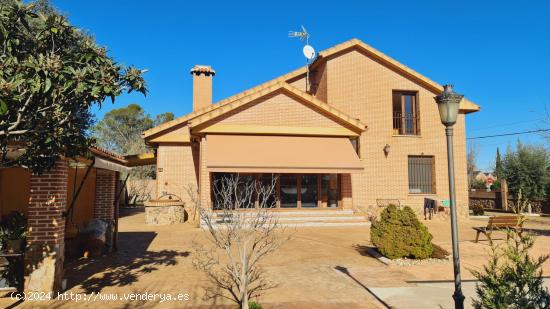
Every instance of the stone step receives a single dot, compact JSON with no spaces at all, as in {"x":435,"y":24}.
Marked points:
{"x":303,"y":213}
{"x":313,"y":224}
{"x":314,"y":219}
{"x":310,"y":218}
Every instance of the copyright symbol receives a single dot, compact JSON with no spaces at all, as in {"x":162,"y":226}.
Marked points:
{"x":16,"y":296}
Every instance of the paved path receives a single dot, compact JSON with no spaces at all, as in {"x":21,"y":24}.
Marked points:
{"x":427,"y":295}
{"x":324,"y":268}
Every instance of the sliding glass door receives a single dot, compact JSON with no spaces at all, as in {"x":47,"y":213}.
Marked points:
{"x":290,"y":191}
{"x":309,"y":190}
{"x":288,"y":195}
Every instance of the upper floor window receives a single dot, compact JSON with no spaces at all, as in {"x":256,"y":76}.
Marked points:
{"x":406,"y":120}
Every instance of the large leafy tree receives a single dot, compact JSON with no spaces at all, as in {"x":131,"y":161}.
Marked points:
{"x":527,"y":169}
{"x":51,"y":73}
{"x":120,"y":129}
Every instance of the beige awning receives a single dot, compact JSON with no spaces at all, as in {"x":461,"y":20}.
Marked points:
{"x":110,"y":165}
{"x":281,"y":154}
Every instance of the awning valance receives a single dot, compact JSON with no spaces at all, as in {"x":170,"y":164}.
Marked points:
{"x":110,"y":165}
{"x":281,"y":154}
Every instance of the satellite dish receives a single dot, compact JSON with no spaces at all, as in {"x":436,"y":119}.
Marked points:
{"x":309,"y":52}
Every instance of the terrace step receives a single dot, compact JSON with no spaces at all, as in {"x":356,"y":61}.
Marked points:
{"x":309,"y":218}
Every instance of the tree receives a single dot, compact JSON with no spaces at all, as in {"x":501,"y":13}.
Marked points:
{"x":512,"y":279}
{"x":162,"y":118}
{"x":240,"y":241}
{"x":527,"y":169}
{"x":498,"y":166}
{"x":120,"y":131}
{"x":471,"y":161}
{"x":51,"y":73}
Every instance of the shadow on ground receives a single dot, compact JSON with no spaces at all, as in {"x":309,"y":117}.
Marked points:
{"x":130,"y":211}
{"x":361,"y":249}
{"x":123,"y":267}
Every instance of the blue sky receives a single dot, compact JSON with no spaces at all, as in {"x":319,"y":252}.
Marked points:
{"x":495,"y":52}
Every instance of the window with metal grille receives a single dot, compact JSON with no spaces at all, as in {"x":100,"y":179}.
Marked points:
{"x":406,"y":117}
{"x":421,"y":174}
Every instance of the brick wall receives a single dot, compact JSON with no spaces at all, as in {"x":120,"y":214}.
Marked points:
{"x":48,"y":200}
{"x":105,"y":194}
{"x":45,"y":253}
{"x":177,"y":170}
{"x":362,"y":88}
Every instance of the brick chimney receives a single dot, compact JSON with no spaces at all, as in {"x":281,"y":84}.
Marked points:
{"x":202,"y":86}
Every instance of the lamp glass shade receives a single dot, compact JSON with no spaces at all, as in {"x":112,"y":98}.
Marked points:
{"x":448,"y":103}
{"x":448,"y":112}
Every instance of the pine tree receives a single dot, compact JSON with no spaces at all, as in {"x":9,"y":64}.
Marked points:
{"x":498,"y":166}
{"x":512,"y":279}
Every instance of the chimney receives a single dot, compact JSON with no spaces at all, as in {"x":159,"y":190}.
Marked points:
{"x":202,"y":86}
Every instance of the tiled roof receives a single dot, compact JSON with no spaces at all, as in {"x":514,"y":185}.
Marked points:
{"x":328,"y":109}
{"x":466,"y":106}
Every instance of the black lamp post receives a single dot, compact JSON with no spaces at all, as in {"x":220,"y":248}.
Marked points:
{"x":448,"y":102}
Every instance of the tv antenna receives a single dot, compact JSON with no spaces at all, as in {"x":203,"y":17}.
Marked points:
{"x":309,"y":51}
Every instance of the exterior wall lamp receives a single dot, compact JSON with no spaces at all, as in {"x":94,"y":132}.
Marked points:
{"x":448,"y":104}
{"x":386,"y":149}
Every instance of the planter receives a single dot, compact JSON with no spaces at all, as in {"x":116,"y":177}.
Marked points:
{"x":15,"y":245}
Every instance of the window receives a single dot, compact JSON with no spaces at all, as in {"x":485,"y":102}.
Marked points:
{"x":406,"y":119}
{"x":421,"y":174}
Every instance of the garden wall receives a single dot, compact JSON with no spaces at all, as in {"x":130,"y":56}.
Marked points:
{"x":494,"y":200}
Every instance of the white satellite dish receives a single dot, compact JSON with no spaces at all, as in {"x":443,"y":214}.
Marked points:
{"x":309,"y":52}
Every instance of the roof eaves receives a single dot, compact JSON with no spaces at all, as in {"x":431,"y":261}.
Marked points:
{"x":221,"y":103}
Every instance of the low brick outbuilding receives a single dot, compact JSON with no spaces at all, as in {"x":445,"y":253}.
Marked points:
{"x":59,"y":203}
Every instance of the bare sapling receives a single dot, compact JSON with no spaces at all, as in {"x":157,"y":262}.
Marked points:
{"x":243,"y":231}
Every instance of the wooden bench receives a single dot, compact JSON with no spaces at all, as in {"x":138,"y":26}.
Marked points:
{"x":499,"y":223}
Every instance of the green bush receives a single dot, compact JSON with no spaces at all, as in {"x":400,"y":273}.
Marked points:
{"x":254,"y":305}
{"x":478,"y":210}
{"x":400,"y":234}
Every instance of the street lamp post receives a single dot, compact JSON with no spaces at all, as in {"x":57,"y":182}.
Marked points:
{"x":448,"y":102}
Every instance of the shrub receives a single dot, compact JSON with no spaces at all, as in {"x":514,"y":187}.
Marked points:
{"x":400,"y":234}
{"x":254,"y":305}
{"x":439,"y":253}
{"x":512,"y":278}
{"x":478,"y":210}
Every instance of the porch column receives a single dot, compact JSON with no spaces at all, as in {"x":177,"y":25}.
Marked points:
{"x":46,"y":224}
{"x":105,"y":195}
{"x":104,"y":207}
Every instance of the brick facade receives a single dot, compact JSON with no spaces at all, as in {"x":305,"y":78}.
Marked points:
{"x":105,"y":194}
{"x":360,"y":86}
{"x":45,"y":253}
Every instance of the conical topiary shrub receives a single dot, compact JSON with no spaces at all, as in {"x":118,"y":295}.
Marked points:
{"x":400,"y":234}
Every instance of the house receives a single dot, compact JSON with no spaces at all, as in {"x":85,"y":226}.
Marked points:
{"x":362,"y":128}
{"x":484,"y":176}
